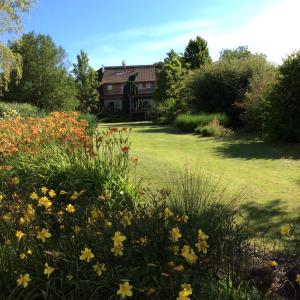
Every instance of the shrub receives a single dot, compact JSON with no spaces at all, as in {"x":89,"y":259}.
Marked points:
{"x":189,"y":122}
{"x":19,"y":109}
{"x":282,"y":122}
{"x":214,"y":128}
{"x":217,"y":87}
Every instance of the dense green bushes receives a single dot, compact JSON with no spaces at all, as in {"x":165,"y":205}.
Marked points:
{"x":283,"y":119}
{"x":219,"y":86}
{"x":19,"y":109}
{"x":189,"y":122}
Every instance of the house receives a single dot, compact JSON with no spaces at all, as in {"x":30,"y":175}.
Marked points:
{"x":113,"y":80}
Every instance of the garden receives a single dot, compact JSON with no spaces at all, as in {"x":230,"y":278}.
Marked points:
{"x":76,"y":222}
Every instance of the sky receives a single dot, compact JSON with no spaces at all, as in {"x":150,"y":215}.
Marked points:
{"x":143,"y":31}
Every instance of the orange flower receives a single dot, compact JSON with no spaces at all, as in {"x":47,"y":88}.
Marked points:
{"x":135,"y":159}
{"x":125,"y":149}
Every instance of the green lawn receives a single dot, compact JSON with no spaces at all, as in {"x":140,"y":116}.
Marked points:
{"x":267,"y":174}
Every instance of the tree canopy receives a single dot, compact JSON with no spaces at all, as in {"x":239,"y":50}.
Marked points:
{"x":87,"y":83}
{"x":10,"y":21}
{"x":196,"y":53}
{"x":45,"y":81}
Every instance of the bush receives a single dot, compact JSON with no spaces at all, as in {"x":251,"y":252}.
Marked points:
{"x":218,"y":86}
{"x":214,"y":128}
{"x":282,"y":122}
{"x":189,"y":122}
{"x":19,"y":109}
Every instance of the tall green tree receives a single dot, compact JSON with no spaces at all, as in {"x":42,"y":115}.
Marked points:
{"x":168,"y":93}
{"x":45,"y":81}
{"x":196,"y":53}
{"x":240,"y":52}
{"x":87,"y":83}
{"x":10,"y":21}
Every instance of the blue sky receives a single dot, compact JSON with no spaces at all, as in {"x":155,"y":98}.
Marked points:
{"x":141,"y":32}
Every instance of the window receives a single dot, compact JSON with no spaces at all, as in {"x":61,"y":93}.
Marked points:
{"x":109,"y":87}
{"x":148,"y":85}
{"x":140,"y":86}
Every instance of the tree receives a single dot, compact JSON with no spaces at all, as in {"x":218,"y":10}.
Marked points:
{"x":87,"y":83}
{"x":130,"y":94}
{"x":283,"y":121}
{"x":10,"y":21}
{"x":240,"y":52}
{"x":168,"y":93}
{"x":45,"y":81}
{"x":220,"y":86}
{"x":196,"y":53}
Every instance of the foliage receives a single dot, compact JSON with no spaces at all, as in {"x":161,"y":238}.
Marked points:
{"x":168,"y":93}
{"x":196,"y":53}
{"x":240,"y":52}
{"x":23,"y":110}
{"x":254,"y":105}
{"x":219,"y":86}
{"x":189,"y":122}
{"x":87,"y":83}
{"x":284,"y":102}
{"x":130,"y":93}
{"x":214,"y":128}
{"x":45,"y":81}
{"x":10,"y":21}
{"x":91,"y":121}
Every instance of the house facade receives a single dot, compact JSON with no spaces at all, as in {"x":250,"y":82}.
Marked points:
{"x":113,"y":80}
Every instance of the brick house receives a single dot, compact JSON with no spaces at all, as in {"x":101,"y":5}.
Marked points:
{"x":113,"y":79}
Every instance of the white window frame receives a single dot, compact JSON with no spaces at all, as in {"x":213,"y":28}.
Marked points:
{"x":148,"y":85}
{"x":109,"y":87}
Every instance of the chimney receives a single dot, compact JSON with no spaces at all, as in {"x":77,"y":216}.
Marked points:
{"x":124,"y":63}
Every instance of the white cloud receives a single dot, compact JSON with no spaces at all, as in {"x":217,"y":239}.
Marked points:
{"x":273,"y":30}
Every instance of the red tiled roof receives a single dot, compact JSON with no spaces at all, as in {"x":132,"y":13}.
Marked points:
{"x":146,"y":73}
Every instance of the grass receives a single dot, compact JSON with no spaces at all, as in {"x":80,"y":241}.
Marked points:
{"x":266,"y":175}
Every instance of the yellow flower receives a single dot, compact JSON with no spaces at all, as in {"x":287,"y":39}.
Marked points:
{"x":167,"y":213}
{"x":86,"y":254}
{"x":178,"y":268}
{"x":7,"y":217}
{"x":34,"y":196}
{"x":19,"y":234}
{"x":15,"y":180}
{"x":48,"y":270}
{"x":185,"y":292}
{"x":43,"y":235}
{"x":202,"y":246}
{"x":185,"y":218}
{"x":118,"y":238}
{"x":52,"y":193}
{"x":125,"y":290}
{"x":284,"y":230}
{"x":273,"y":263}
{"x":44,"y":201}
{"x":298,"y":278}
{"x":23,"y":280}
{"x":70,"y":208}
{"x":77,"y":229}
{"x":175,"y":234}
{"x":202,"y":236}
{"x":44,"y":190}
{"x":23,"y":256}
{"x":29,"y":252}
{"x":1,"y":197}
{"x":108,"y":223}
{"x":126,"y":220}
{"x":117,"y":250}
{"x":74,"y":196}
{"x":62,"y":192}
{"x":99,"y":268}
{"x":189,"y":254}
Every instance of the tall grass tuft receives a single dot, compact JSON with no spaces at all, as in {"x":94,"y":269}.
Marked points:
{"x":189,"y":122}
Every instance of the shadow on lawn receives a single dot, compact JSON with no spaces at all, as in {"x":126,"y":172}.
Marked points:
{"x":255,"y":149}
{"x":267,"y":217}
